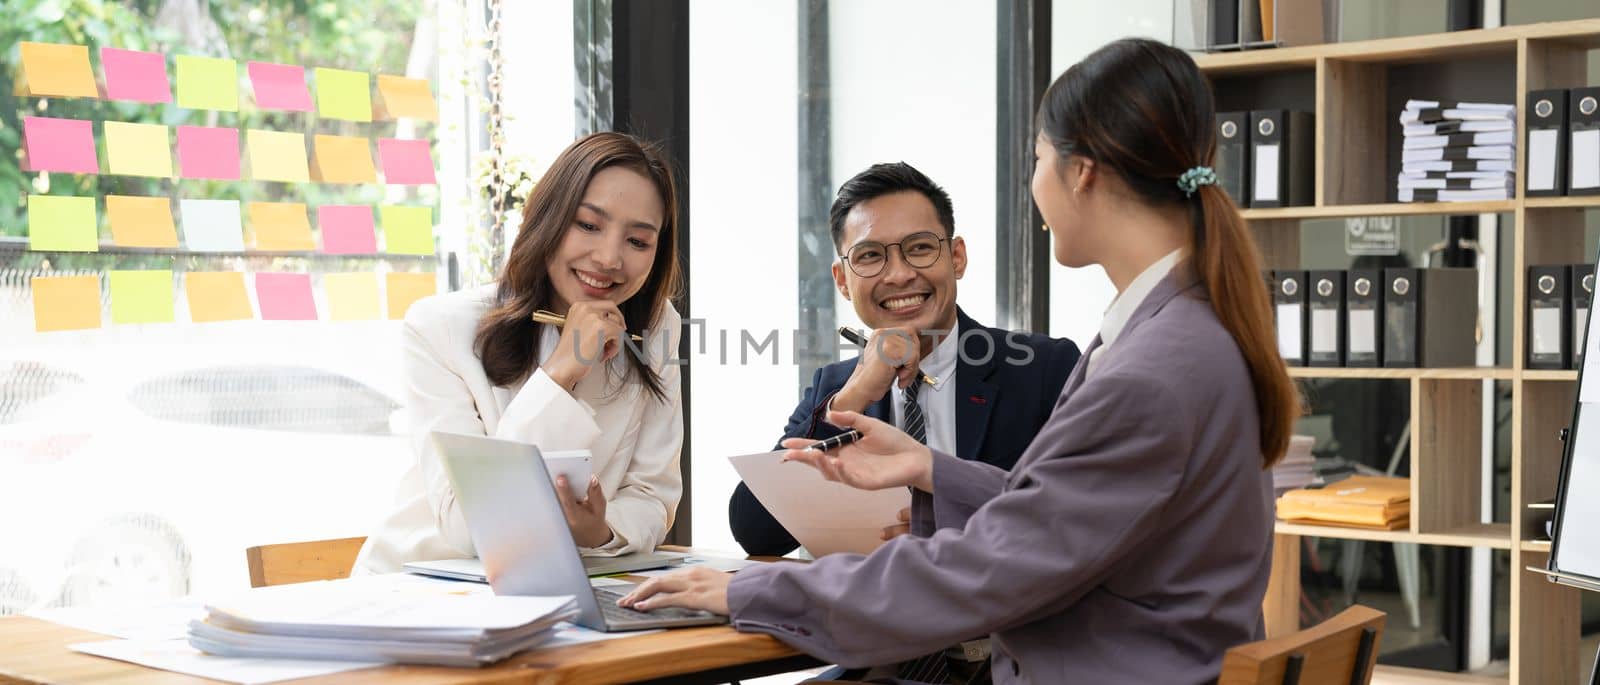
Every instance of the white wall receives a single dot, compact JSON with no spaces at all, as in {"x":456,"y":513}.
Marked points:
{"x":744,"y":199}
{"x":1079,"y":297}
{"x":914,"y":81}
{"x":538,"y":91}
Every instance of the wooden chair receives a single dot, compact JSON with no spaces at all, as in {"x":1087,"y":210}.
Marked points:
{"x":298,"y":562}
{"x":1341,"y":650}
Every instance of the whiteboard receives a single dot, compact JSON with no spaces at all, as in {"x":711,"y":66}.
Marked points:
{"x":1576,"y":550}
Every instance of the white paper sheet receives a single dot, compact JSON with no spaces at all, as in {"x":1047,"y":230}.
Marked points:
{"x":1324,"y":330}
{"x":1266,"y":173}
{"x":1289,"y":331}
{"x":1585,"y":159}
{"x":826,"y":517}
{"x":159,"y":622}
{"x":177,"y":656}
{"x":568,"y":634}
{"x":1546,"y":330}
{"x":1363,"y":331}
{"x":1542,"y":159}
{"x":725,"y":564}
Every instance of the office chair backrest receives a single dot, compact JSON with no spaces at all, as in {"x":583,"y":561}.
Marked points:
{"x":1340,"y":651}
{"x":298,"y":562}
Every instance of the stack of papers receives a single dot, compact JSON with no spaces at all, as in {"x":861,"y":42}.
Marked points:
{"x":1382,"y":502}
{"x":375,"y":619}
{"x":1298,"y":468}
{"x":1458,"y":152}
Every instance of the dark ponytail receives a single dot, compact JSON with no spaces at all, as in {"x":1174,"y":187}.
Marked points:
{"x":1144,"y":110}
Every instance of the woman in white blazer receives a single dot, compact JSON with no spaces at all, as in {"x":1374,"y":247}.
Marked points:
{"x":598,"y":245}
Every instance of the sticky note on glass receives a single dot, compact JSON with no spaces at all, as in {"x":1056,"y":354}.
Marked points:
{"x":138,"y":150}
{"x":343,"y":94}
{"x":141,"y":221}
{"x":406,"y":98}
{"x":352,"y":296}
{"x":405,"y":288}
{"x":216,"y":296}
{"x":208,"y":152}
{"x":208,"y":83}
{"x":61,"y":223}
{"x":212,"y":225}
{"x":135,"y":75}
{"x":407,"y":230}
{"x":406,"y":162}
{"x":280,"y":226}
{"x":279,"y":86}
{"x":57,"y":71}
{"x":342,"y":159}
{"x":141,"y":296}
{"x":64,"y":145}
{"x":347,"y":229}
{"x":66,"y":303}
{"x":285,"y":297}
{"x":277,"y":156}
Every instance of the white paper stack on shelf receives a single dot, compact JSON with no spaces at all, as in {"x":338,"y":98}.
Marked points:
{"x":1458,"y":152}
{"x":378,"y":619}
{"x":1298,"y":468}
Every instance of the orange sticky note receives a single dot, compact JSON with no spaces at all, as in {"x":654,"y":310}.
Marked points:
{"x":343,"y":159}
{"x":277,"y":156}
{"x":352,"y":296}
{"x":408,"y":98}
{"x":52,"y":70}
{"x":66,"y":303}
{"x":281,"y":226}
{"x":406,"y":288}
{"x":217,"y":296}
{"x":141,"y":221}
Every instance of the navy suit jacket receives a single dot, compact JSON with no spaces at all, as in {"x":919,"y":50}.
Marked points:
{"x":1000,"y":405}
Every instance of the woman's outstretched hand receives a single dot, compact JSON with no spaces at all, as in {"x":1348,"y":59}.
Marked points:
{"x":884,"y":457}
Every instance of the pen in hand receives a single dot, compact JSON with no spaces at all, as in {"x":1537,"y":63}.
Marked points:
{"x":557,"y":320}
{"x":859,"y":340}
{"x":839,"y":440}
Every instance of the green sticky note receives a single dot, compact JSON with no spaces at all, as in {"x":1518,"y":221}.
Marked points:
{"x":61,"y":223}
{"x":208,"y":83}
{"x":343,"y":94}
{"x":407,"y":230}
{"x":141,"y":297}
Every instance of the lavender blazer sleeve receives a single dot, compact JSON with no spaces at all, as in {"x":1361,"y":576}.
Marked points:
{"x":1131,"y":543}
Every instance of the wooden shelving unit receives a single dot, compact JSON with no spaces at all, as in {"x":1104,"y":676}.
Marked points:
{"x":1357,"y":90}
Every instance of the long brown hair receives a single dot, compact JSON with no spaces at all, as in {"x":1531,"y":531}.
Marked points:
{"x":1144,"y":110}
{"x":507,"y":337}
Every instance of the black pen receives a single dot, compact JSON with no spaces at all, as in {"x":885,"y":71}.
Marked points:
{"x":839,"y":440}
{"x":860,"y":341}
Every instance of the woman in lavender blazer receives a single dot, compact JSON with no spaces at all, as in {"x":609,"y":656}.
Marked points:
{"x":1132,"y":541}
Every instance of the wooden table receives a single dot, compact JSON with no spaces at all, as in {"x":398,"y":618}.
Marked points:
{"x":35,"y":651}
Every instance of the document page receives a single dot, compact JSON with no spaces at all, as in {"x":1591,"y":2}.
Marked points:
{"x":825,"y":516}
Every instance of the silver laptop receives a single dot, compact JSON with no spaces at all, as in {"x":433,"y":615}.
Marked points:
{"x":522,"y":538}
{"x":472,"y":569}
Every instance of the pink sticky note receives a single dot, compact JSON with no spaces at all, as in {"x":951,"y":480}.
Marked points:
{"x":285,"y":297}
{"x":280,"y":86}
{"x":347,"y":229}
{"x":65,"y":145}
{"x":206,"y":152}
{"x":406,"y":162}
{"x":135,"y":75}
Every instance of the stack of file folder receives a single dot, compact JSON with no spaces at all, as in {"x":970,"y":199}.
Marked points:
{"x":379,"y":619}
{"x":1381,"y":502}
{"x":1458,"y":151}
{"x":1298,"y":468}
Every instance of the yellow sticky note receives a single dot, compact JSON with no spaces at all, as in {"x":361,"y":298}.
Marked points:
{"x":51,"y":70}
{"x":408,"y":98}
{"x":407,"y":229}
{"x":343,"y":159}
{"x":406,"y":288}
{"x":138,"y":149}
{"x":141,"y":221}
{"x":343,"y":94}
{"x":352,"y":296}
{"x":280,"y":226}
{"x":66,"y":303}
{"x":217,"y":296}
{"x":62,"y":223}
{"x":277,"y":156}
{"x":208,"y":83}
{"x":141,"y":296}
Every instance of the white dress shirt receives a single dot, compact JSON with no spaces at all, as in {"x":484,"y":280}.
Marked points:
{"x":1126,"y":303}
{"x":634,"y":438}
{"x":937,"y":401}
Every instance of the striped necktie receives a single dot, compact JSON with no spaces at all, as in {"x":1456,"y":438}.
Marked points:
{"x":914,"y":424}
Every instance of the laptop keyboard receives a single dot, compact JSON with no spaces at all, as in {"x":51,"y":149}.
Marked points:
{"x":615,"y":614}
